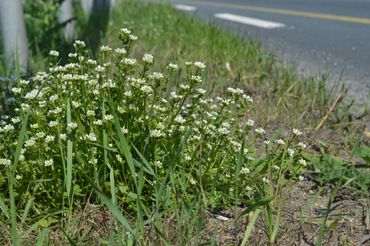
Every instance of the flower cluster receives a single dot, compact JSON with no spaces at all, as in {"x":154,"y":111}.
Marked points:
{"x":81,"y":111}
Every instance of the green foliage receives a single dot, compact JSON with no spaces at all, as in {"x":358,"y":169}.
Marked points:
{"x":333,"y":169}
{"x":152,"y":140}
{"x":362,"y":152}
{"x":43,"y":30}
{"x":149,"y":139}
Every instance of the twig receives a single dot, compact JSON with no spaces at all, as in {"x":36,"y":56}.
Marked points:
{"x":339,"y":97}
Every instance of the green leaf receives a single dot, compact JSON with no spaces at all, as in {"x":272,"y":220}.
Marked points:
{"x":42,"y":236}
{"x":250,"y":226}
{"x":255,"y":205}
{"x":115,"y":211}
{"x":363,"y":152}
{"x":69,"y":152}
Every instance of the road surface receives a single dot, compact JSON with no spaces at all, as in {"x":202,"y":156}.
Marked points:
{"x":321,"y":36}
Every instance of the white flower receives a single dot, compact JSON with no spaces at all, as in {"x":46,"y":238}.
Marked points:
{"x":280,"y":142}
{"x":223,"y":130}
{"x":250,"y":123}
{"x":187,"y":157}
{"x":184,"y":87}
{"x":193,"y":181}
{"x":25,"y":106}
{"x":156,"y":75}
{"x":173,"y":66}
{"x":7,"y":128}
{"x":63,"y":136}
{"x":72,"y":55}
{"x":302,"y":145}
{"x":265,"y":180}
{"x":5,"y":162}
{"x":300,"y":178}
{"x":290,"y":152}
{"x":16,"y":90}
{"x":53,"y":98}
{"x":129,"y":61}
{"x":248,"y":188}
{"x":245,"y":170}
{"x":108,"y":117}
{"x":52,"y":123}
{"x":98,"y":122}
{"x":179,"y":119}
{"x":297,"y":132}
{"x":132,"y":37}
{"x":156,"y":133}
{"x":125,"y":31}
{"x":201,"y":91}
{"x":16,"y":120}
{"x":40,"y":135}
{"x":236,"y":146}
{"x":248,"y":99}
{"x":90,"y":113}
{"x":72,"y":125}
{"x":104,"y":48}
{"x":121,"y":51}
{"x":42,"y":104}
{"x":302,"y":162}
{"x":24,"y":82}
{"x":236,"y":91}
{"x":267,"y":142}
{"x":49,"y":138}
{"x":277,"y":168}
{"x":79,"y":43}
{"x":158,"y":164}
{"x":32,"y":94}
{"x":17,"y":177}
{"x":146,"y":89}
{"x":124,"y":130}
{"x":200,"y":65}
{"x":100,"y":69}
{"x":91,"y":62}
{"x":148,"y":58}
{"x":76,"y":104}
{"x":91,"y":137}
{"x":119,"y":158}
{"x":30,"y":142}
{"x":49,"y":162}
{"x":128,"y":93}
{"x":260,"y":131}
{"x":54,"y":53}
{"x":196,"y":79}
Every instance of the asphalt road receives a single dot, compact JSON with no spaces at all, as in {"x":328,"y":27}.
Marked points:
{"x":321,"y":36}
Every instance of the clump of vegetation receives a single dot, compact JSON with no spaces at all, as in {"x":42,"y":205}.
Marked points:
{"x":41,"y":19}
{"x":150,"y":150}
{"x":148,"y":140}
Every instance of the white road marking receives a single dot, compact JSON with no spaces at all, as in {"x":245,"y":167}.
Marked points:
{"x":185,"y":7}
{"x":249,"y":21}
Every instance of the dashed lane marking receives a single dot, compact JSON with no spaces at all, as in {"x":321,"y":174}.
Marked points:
{"x":249,"y":21}
{"x":185,"y":7}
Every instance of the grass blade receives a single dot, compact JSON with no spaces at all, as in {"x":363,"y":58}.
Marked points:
{"x":115,"y":211}
{"x":125,"y":149}
{"x":41,"y":238}
{"x":12,"y":172}
{"x":250,"y":226}
{"x":69,"y":151}
{"x":4,"y":208}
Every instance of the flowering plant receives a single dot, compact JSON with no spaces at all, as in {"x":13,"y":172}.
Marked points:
{"x":116,"y":126}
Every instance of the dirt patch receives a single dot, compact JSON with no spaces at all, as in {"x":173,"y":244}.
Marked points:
{"x":301,"y":221}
